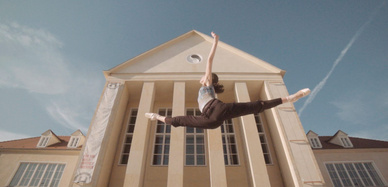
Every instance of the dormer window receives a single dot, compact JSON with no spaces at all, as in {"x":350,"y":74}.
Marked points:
{"x":48,"y":138}
{"x":342,"y":139}
{"x":43,"y":141}
{"x":314,"y":139}
{"x":73,"y":143}
{"x":77,"y":139}
{"x":346,"y":142}
{"x":315,"y":143}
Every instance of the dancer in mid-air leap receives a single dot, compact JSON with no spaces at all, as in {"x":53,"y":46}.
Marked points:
{"x":214,"y":111}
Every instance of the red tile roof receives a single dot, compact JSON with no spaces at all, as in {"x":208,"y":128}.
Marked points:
{"x":358,"y":143}
{"x":31,"y":143}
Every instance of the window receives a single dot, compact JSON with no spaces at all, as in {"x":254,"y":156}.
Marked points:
{"x":43,"y":141}
{"x":194,"y":58}
{"x":263,"y":139}
{"x":315,"y":143}
{"x":195,"y":143}
{"x":73,"y":143}
{"x":346,"y":142}
{"x":354,"y":174}
{"x":162,"y":140}
{"x":38,"y":174}
{"x":229,"y":143}
{"x":128,"y":136}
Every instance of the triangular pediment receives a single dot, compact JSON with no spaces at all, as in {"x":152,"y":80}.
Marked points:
{"x":174,"y":56}
{"x":77,"y":133}
{"x":342,"y":139}
{"x":49,"y":133}
{"x":312,"y":134}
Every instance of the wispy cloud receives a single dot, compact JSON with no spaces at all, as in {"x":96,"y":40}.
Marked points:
{"x":355,"y":109}
{"x":361,"y":109}
{"x":367,"y":113}
{"x":5,"y":135}
{"x":321,"y":84}
{"x":66,"y":116}
{"x":33,"y":60}
{"x":378,"y":133}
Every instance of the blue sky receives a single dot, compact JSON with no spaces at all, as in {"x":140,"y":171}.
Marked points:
{"x":52,"y":54}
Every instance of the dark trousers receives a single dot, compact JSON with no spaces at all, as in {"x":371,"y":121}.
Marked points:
{"x":216,"y":112}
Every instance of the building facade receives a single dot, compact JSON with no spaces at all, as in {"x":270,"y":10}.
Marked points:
{"x":123,"y":148}
{"x":350,"y":161}
{"x":50,"y":160}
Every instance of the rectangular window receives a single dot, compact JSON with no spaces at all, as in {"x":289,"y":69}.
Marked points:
{"x":38,"y":174}
{"x":315,"y":143}
{"x":229,"y":143}
{"x":162,"y":140}
{"x":195,"y":143}
{"x":74,"y":142}
{"x":354,"y":174}
{"x":43,"y":141}
{"x":263,"y":139}
{"x":346,"y":142}
{"x":128,"y":136}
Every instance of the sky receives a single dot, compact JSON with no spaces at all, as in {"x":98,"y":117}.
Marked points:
{"x":53,"y":53}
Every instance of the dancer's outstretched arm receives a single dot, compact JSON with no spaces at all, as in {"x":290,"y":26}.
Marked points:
{"x":206,"y":80}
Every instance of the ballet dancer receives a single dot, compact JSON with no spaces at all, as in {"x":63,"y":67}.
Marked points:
{"x":213,"y":111}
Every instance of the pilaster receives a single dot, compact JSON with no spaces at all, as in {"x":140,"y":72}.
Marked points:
{"x":216,"y":158}
{"x":134,"y":175}
{"x":255,"y":160}
{"x":177,"y":143}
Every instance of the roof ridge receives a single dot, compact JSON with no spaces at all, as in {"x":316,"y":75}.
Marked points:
{"x":368,"y":139}
{"x":60,"y":138}
{"x":20,"y":139}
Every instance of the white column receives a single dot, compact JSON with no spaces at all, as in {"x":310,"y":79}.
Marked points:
{"x":134,"y":175}
{"x":255,"y":158}
{"x":177,"y":143}
{"x":216,"y":158}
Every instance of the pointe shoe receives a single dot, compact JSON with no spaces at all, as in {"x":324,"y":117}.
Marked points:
{"x":152,"y":116}
{"x":301,"y":93}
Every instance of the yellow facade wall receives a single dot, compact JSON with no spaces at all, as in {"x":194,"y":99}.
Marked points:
{"x":10,"y":161}
{"x":379,"y":157}
{"x":193,"y":175}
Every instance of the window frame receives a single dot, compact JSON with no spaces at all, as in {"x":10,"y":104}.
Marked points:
{"x":345,"y":141}
{"x":43,"y":141}
{"x":263,"y":135}
{"x":226,"y":144}
{"x":351,"y":174}
{"x":74,"y":142}
{"x":315,"y":142}
{"x":164,"y":143}
{"x":128,"y":134}
{"x":196,"y":132}
{"x":59,"y":167}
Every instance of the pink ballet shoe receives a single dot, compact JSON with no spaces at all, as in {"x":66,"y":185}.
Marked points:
{"x":301,"y":93}
{"x":152,"y":116}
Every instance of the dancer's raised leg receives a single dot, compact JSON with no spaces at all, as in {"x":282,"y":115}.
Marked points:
{"x":296,"y":96}
{"x":154,"y":116}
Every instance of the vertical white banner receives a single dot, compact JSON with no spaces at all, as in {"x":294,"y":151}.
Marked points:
{"x":87,"y":165}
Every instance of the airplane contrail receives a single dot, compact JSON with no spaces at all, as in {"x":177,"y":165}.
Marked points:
{"x":321,"y":84}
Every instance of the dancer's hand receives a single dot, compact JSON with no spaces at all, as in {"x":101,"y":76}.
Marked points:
{"x":215,"y":36}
